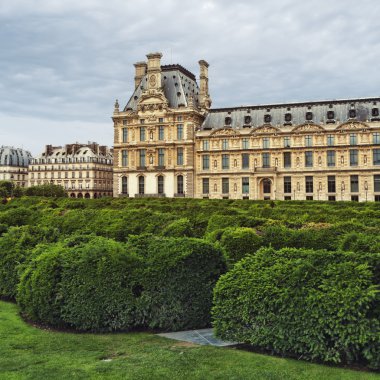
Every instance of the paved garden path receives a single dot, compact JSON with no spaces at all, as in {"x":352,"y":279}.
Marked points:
{"x":203,"y":337}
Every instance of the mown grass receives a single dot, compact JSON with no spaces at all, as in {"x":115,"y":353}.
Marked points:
{"x":27,"y":352}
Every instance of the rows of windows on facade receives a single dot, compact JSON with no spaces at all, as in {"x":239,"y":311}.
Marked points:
{"x":170,"y":142}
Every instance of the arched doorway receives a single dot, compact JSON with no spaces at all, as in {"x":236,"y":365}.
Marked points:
{"x":87,"y":195}
{"x":80,"y":195}
{"x":95,"y":195}
{"x":72,"y":195}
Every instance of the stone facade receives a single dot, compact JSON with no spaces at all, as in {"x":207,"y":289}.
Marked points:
{"x":84,"y":170}
{"x":168,"y":142}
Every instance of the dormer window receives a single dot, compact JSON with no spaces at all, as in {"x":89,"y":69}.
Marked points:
{"x":288,"y":117}
{"x":330,"y":117}
{"x":352,"y":114}
{"x":309,"y":116}
{"x":228,"y":120}
{"x":267,"y":118}
{"x":375,"y":112}
{"x":247,"y":119}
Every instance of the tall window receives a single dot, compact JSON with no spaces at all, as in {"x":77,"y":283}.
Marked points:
{"x":309,"y":184}
{"x":245,"y":161}
{"x":330,"y":140}
{"x":142,"y":133}
{"x":309,"y":159}
{"x":245,"y":143}
{"x":161,"y":132}
{"x":331,"y":186}
{"x":224,"y":144}
{"x":353,"y":139}
{"x":376,"y":156}
{"x":287,"y":159}
{"x":124,"y":157}
{"x":161,"y":157}
{"x":141,"y":185}
{"x":160,"y":184}
{"x":354,"y":180}
{"x":308,"y":140}
{"x":376,"y":138}
{"x":205,"y":162}
{"x":225,"y":186}
{"x":205,"y":185}
{"x":376,"y":183}
{"x":353,"y":157}
{"x":179,"y":156}
{"x":206,"y":145}
{"x":331,"y":158}
{"x":225,"y":161}
{"x":287,"y":184}
{"x":287,"y":142}
{"x":180,"y":184}
{"x":124,"y":185}
{"x":179,"y":131}
{"x":142,"y":157}
{"x":245,"y":185}
{"x":265,"y":142}
{"x":266,"y":160}
{"x":124,"y":133}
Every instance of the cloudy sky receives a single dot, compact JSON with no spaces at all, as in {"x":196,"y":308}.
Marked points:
{"x":64,"y":62}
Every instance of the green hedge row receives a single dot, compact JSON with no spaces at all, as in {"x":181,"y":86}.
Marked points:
{"x":312,"y":304}
{"x":96,"y":284}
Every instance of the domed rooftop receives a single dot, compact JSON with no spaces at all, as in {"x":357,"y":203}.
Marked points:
{"x":10,"y":156}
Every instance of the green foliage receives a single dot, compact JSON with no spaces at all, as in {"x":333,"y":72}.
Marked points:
{"x":97,"y":284}
{"x":47,"y":190}
{"x":178,"y":228}
{"x":239,"y":242}
{"x":313,"y":304}
{"x":16,"y":247}
{"x":6,"y":189}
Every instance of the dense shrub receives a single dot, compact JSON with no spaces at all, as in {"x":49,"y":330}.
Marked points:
{"x":239,"y":242}
{"x":178,"y":281}
{"x":15,"y":248}
{"x":313,"y":304}
{"x":97,"y":284}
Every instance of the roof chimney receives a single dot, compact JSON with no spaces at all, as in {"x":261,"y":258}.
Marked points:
{"x":140,"y":71}
{"x":154,"y":71}
{"x":204,"y":96}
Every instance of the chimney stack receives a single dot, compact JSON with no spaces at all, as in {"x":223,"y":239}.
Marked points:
{"x":140,"y":71}
{"x":204,"y":96}
{"x":154,"y":71}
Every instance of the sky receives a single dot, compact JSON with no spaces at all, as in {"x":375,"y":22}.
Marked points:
{"x":64,"y":62}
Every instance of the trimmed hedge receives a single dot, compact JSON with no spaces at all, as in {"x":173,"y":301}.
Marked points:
{"x":313,"y":304}
{"x":97,"y":284}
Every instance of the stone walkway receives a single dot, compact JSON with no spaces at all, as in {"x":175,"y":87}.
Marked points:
{"x":203,"y":337}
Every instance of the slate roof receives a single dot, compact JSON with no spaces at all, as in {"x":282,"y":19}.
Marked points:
{"x":365,"y":110}
{"x":178,"y":85}
{"x":17,"y":157}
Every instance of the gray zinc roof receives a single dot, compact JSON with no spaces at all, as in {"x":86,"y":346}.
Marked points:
{"x":216,"y":118}
{"x":17,"y":157}
{"x":178,"y":85}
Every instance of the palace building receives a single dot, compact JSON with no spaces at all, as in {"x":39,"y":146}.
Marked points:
{"x":168,"y":141}
{"x":84,"y":170}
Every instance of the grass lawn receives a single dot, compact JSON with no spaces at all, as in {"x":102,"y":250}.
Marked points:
{"x":31,"y":353}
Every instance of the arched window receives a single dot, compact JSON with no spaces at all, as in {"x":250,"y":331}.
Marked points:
{"x":141,"y":185}
{"x":124,"y":185}
{"x":180,"y":184}
{"x":160,"y":184}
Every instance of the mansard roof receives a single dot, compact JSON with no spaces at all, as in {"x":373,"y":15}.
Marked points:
{"x":293,"y":114}
{"x":17,"y":157}
{"x":179,"y":85}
